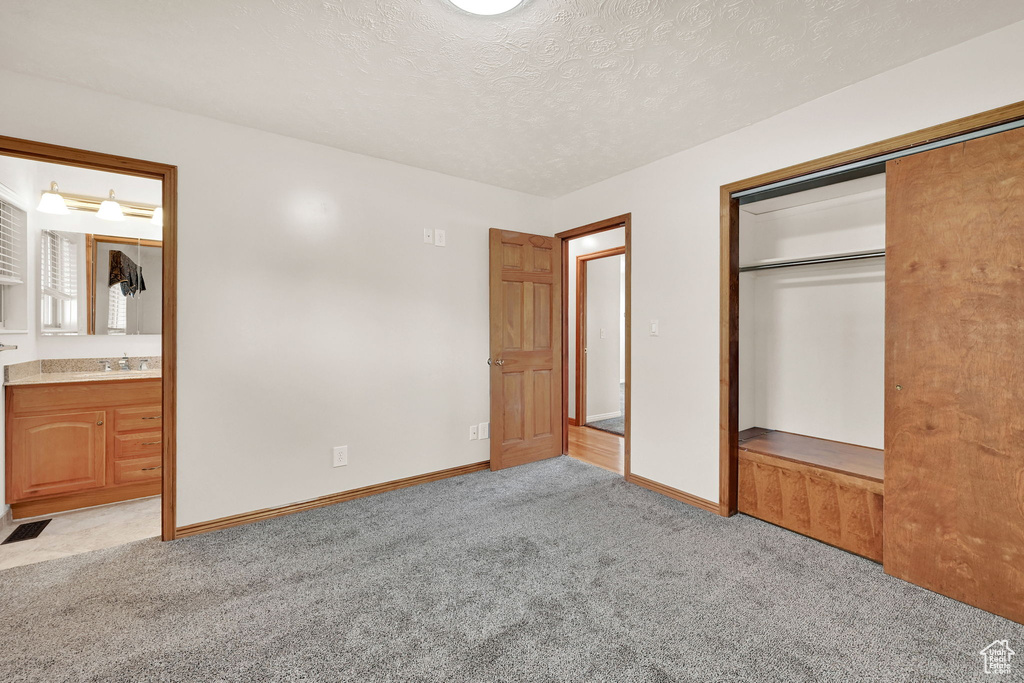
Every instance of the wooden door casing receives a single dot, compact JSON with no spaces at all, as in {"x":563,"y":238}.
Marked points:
{"x":56,"y":454}
{"x":526,"y":353}
{"x":954,"y":428}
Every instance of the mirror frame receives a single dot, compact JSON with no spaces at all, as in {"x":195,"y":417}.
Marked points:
{"x":91,"y":246}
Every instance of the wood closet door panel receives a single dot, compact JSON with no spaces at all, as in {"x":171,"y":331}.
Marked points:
{"x":954,"y":395}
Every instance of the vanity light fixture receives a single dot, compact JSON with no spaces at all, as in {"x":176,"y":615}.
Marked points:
{"x":52,"y":201}
{"x":486,"y":7}
{"x":110,"y":210}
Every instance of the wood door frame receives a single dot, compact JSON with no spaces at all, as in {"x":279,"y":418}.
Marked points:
{"x":729,"y":272}
{"x":623,"y":221}
{"x":581,"y":321}
{"x":168,"y":176}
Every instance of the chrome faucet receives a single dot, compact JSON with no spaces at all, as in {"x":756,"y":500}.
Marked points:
{"x":122,"y":364}
{"x":104,"y":365}
{"x":144,"y":364}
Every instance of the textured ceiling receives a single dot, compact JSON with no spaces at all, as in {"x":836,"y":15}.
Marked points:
{"x":551,"y":97}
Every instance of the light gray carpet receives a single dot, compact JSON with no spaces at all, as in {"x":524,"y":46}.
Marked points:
{"x":549,"y":572}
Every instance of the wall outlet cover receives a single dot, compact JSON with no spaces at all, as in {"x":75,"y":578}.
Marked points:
{"x":439,"y":238}
{"x":340,"y":456}
{"x":484,"y":430}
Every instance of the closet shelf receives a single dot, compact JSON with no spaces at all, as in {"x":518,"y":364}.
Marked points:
{"x":811,"y":260}
{"x":844,"y":458}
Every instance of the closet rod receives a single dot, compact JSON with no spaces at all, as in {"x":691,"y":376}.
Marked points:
{"x":856,"y":256}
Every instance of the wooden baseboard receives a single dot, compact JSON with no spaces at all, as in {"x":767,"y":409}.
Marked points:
{"x":85,"y":499}
{"x":323,"y":501}
{"x":572,"y":422}
{"x":676,"y":494}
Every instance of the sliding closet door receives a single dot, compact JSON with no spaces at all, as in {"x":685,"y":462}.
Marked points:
{"x":954,"y":396}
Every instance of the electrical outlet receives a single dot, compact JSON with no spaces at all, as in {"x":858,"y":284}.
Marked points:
{"x":473,"y":433}
{"x":484,"y":430}
{"x":439,"y":238}
{"x":340,"y":456}
{"x":428,"y":236}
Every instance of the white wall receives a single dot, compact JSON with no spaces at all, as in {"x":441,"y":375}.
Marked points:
{"x":675,"y":238}
{"x":604,"y":323}
{"x":609,"y":239}
{"x":311,"y":314}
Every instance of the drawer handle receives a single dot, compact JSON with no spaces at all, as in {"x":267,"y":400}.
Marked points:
{"x":152,"y":418}
{"x":147,"y":469}
{"x":150,"y":443}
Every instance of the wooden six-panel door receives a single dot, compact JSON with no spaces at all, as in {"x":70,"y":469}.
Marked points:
{"x":954,"y":395}
{"x":526,"y":352}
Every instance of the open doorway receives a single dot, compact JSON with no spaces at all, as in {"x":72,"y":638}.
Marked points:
{"x":595,"y":266}
{"x":87,"y":273}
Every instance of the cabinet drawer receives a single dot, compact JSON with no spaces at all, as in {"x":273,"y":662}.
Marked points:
{"x":46,"y":398}
{"x":134,"y":419}
{"x":139,"y":445}
{"x":137,"y":469}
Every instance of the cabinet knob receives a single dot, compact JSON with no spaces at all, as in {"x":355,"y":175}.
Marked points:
{"x":100,"y":422}
{"x":899,"y":387}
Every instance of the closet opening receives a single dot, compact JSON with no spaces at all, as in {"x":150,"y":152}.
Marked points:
{"x":811,"y":361}
{"x":595,"y":327}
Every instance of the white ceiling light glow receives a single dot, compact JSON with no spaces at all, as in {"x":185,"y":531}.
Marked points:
{"x":487,"y":7}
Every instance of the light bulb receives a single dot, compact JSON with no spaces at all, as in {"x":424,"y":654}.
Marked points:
{"x":52,"y":202}
{"x":486,"y":7}
{"x":110,"y":210}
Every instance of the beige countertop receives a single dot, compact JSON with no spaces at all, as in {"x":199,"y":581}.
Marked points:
{"x":94,"y":376}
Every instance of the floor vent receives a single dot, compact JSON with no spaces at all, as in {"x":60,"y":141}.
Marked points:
{"x":26,"y":532}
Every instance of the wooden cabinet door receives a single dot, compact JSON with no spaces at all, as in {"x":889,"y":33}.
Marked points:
{"x":526,"y":351}
{"x":954,"y":395}
{"x":53,"y":454}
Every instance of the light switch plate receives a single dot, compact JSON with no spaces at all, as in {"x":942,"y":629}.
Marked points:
{"x":428,"y":236}
{"x":439,"y":238}
{"x":473,"y":433}
{"x":654,"y":328}
{"x":485,"y":430}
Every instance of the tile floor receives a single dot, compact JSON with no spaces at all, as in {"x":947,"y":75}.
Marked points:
{"x":81,"y":531}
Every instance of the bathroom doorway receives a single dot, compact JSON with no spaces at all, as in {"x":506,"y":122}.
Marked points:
{"x":87,"y":343}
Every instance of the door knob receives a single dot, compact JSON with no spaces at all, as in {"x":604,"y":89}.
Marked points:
{"x":499,"y":362}
{"x":488,"y":361}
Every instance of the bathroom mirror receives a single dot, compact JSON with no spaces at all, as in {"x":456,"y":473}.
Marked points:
{"x":99,"y":284}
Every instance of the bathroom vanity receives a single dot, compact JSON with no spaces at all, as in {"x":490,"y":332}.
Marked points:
{"x":78,"y":439}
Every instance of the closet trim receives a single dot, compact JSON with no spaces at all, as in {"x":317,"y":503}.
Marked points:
{"x":729,"y":283}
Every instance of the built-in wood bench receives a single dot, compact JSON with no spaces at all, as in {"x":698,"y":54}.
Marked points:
{"x":824,"y":489}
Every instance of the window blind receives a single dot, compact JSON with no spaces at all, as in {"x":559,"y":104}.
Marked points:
{"x":12,"y":230}
{"x":60,"y":270}
{"x":117,"y":315}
